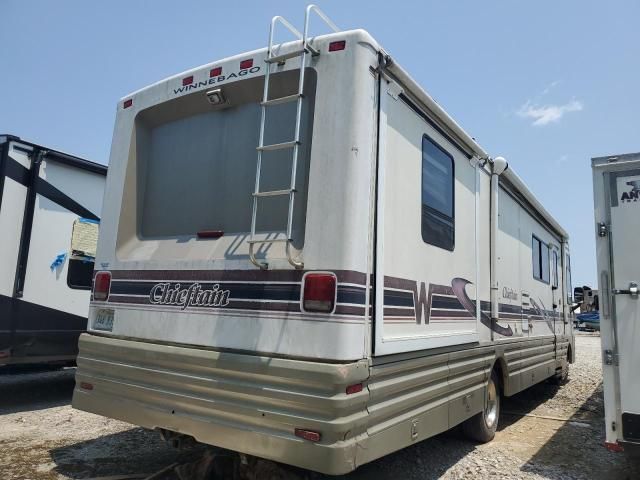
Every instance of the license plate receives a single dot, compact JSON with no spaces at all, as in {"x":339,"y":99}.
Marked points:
{"x":103,"y":320}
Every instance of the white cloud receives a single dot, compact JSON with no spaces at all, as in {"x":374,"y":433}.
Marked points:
{"x":546,"y":114}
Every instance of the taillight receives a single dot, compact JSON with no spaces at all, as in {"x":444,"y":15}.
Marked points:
{"x":101,"y":286}
{"x":319,"y":292}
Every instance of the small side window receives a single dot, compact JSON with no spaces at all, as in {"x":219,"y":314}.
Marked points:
{"x":535,"y":258}
{"x":540,"y":259}
{"x":438,"y":209}
{"x":554,"y":264}
{"x":544,"y":262}
{"x":84,"y":240}
{"x":567,"y":279}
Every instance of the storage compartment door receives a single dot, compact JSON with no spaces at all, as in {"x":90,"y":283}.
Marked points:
{"x":426,"y":236}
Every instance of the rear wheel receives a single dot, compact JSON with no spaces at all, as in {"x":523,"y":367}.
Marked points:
{"x":482,"y":427}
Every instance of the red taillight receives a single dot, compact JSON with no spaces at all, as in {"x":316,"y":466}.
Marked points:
{"x":86,"y":386}
{"x":101,"y":286}
{"x":187,"y":80}
{"x":215,"y":72}
{"x":127,"y":103}
{"x":351,"y":389}
{"x":319,"y":293}
{"x":307,"y":434}
{"x":614,"y":447}
{"x":246,"y":64}
{"x":339,"y":45}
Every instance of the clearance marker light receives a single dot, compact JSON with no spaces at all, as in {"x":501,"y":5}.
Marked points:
{"x":215,"y":72}
{"x":187,"y":80}
{"x":336,"y":46}
{"x":246,"y":64}
{"x":307,"y":434}
{"x":86,"y":386}
{"x":127,"y":103}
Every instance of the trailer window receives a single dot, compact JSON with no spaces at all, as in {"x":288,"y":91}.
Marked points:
{"x":540,"y":259}
{"x":438,"y":217}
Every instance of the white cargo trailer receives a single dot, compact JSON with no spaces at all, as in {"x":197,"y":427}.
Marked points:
{"x":49,"y":205}
{"x":616,"y":189}
{"x":304,"y":258}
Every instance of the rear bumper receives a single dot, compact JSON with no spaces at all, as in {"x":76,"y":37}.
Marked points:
{"x":245,"y":403}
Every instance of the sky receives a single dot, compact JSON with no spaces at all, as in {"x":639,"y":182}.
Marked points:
{"x":546,"y":84}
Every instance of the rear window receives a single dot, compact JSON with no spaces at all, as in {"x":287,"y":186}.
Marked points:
{"x":196,"y":163}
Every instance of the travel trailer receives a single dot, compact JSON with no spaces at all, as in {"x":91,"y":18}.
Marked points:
{"x":616,"y":190}
{"x":50,"y":204}
{"x":304,"y":258}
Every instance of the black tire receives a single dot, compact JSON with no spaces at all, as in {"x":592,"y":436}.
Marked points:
{"x":482,"y":427}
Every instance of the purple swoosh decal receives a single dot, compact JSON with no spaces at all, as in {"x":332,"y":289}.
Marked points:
{"x":458,"y":286}
{"x":542,"y":312}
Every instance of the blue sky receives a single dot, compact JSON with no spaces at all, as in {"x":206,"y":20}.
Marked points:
{"x":547,"y":84}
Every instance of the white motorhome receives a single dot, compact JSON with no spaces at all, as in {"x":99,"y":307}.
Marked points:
{"x":50,"y":204}
{"x":304,"y":258}
{"x":616,"y":190}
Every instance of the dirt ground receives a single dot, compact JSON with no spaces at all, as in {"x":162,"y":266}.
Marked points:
{"x":546,"y":432}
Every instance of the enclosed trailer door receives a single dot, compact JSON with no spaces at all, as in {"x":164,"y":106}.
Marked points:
{"x":625,"y":277}
{"x":426,"y":267}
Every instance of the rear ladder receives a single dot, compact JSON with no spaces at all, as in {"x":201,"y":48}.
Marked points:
{"x":294,"y":145}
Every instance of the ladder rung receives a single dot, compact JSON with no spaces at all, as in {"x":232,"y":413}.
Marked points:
{"x":273,"y":240}
{"x":278,"y":101}
{"x":278,"y":146}
{"x":274,"y":193}
{"x":284,"y":56}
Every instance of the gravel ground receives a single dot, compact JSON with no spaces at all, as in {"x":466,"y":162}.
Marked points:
{"x":546,"y":432}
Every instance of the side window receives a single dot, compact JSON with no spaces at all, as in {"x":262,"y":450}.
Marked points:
{"x":540,"y":259}
{"x":438,"y":212}
{"x":554,"y":264}
{"x":84,"y":240}
{"x":535,"y":258}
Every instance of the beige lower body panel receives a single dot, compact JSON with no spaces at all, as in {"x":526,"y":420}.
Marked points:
{"x":253,"y":404}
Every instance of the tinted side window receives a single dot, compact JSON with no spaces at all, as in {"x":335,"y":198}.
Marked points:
{"x":540,"y":259}
{"x":544,"y":262}
{"x":438,"y":209}
{"x":535,"y":258}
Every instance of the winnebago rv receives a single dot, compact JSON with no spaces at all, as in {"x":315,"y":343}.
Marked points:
{"x":49,"y":208}
{"x":304,"y":258}
{"x":616,"y":191}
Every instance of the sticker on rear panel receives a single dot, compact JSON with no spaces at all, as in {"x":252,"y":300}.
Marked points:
{"x":104,"y":320}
